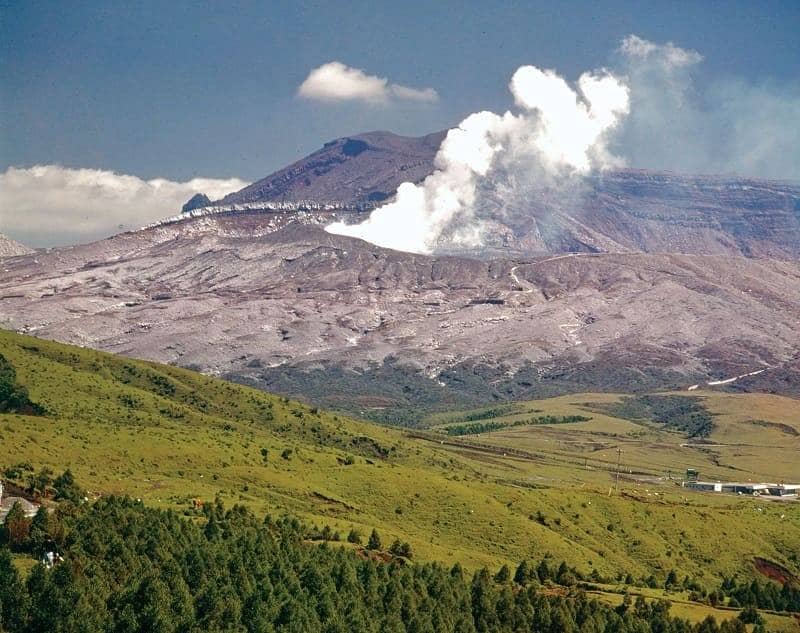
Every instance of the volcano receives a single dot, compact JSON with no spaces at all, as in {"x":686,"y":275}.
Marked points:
{"x":644,"y":281}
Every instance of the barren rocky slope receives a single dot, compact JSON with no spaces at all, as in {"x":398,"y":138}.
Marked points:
{"x":635,"y":281}
{"x":363,"y":169}
{"x":10,"y":248}
{"x":269,"y":300}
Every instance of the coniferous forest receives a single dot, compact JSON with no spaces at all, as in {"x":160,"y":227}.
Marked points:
{"x":129,"y":568}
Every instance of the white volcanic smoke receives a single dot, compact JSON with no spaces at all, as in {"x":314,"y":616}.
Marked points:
{"x":561,"y":132}
{"x":682,"y":122}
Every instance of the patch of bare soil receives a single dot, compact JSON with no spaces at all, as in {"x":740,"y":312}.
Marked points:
{"x":774,"y":571}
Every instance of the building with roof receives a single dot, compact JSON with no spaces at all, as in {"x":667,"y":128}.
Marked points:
{"x":6,"y":503}
{"x":745,"y":488}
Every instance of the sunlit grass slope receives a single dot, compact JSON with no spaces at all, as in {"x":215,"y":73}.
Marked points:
{"x":170,"y":435}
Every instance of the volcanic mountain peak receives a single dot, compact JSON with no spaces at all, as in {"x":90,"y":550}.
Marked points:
{"x":621,"y":211}
{"x":366,"y":168}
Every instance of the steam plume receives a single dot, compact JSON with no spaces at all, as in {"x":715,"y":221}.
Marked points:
{"x":730,"y":125}
{"x":653,"y":111}
{"x":560,"y":132}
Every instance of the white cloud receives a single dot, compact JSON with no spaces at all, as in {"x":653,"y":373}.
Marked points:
{"x":336,"y":81}
{"x":48,"y":205}
{"x":414,"y":94}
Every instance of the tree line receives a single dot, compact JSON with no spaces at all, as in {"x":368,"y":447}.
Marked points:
{"x":475,"y":428}
{"x":128,"y":568}
{"x":763,"y":595}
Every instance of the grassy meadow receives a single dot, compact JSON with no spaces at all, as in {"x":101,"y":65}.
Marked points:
{"x":171,"y":436}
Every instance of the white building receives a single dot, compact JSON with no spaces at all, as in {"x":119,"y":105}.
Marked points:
{"x":745,"y":488}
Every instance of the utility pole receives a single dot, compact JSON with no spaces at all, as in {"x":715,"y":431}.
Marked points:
{"x":619,"y":456}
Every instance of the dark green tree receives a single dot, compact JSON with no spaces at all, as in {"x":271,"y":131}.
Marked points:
{"x":543,"y":571}
{"x":13,"y":597}
{"x":750,"y":615}
{"x":66,"y":488}
{"x":38,"y":483}
{"x":39,"y":533}
{"x":503,"y":575}
{"x":672,"y":579}
{"x":374,"y":542}
{"x":354,"y":536}
{"x":523,"y":573}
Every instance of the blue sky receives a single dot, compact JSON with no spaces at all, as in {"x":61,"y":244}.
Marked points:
{"x":112,"y":114}
{"x":182,"y":89}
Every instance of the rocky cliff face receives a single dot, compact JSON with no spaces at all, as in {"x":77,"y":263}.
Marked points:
{"x":197,"y":201}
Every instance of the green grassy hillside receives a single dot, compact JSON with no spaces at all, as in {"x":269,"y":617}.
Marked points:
{"x":169,"y":436}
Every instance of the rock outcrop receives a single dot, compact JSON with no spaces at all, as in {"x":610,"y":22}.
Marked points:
{"x":197,"y":201}
{"x":12,"y":248}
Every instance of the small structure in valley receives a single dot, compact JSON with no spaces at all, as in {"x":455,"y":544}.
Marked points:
{"x":745,"y":488}
{"x":6,"y":503}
